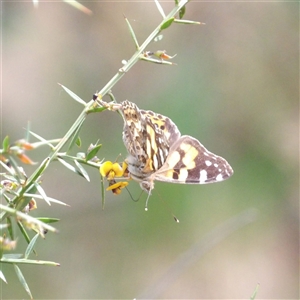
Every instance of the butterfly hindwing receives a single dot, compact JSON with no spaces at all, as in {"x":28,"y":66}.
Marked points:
{"x":190,"y":162}
{"x":157,"y":151}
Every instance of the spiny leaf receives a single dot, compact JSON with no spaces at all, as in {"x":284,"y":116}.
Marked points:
{"x":188,"y":22}
{"x":2,"y":277}
{"x":73,"y":95}
{"x":8,"y":169}
{"x":31,"y":245}
{"x":48,"y":198}
{"x":23,"y":231}
{"x":22,"y":280}
{"x":132,"y":34}
{"x":39,"y":171}
{"x":70,"y":167}
{"x":41,"y":139}
{"x":42,"y":193}
{"x":82,"y":170}
{"x":11,"y":260}
{"x":255,"y":292}
{"x":67,"y":165}
{"x":26,"y":218}
{"x":160,"y":9}
{"x":15,"y":169}
{"x":75,"y":136}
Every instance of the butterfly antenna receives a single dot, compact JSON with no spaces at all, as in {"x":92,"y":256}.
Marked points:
{"x":168,"y":208}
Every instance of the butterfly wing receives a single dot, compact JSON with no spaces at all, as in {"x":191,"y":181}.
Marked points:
{"x":190,"y":162}
{"x":148,"y":137}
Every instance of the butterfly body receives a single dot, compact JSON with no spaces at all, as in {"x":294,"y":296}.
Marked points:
{"x":157,"y":151}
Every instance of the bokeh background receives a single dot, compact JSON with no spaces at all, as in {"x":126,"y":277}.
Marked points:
{"x":235,"y":87}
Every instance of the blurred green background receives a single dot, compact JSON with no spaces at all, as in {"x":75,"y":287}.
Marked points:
{"x":235,"y":88}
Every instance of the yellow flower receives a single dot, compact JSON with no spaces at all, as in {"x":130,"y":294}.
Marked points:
{"x":111,"y":170}
{"x":116,"y":187}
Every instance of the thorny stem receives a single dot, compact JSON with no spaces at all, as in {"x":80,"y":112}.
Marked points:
{"x":121,"y":72}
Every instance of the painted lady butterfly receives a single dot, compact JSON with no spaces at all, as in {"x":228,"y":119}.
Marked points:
{"x":157,"y":151}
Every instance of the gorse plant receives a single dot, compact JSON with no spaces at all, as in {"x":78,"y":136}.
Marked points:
{"x":20,"y":192}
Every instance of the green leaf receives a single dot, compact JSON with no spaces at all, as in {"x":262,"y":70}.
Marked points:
{"x":78,"y":142}
{"x":188,"y":22}
{"x":9,"y":260}
{"x":167,"y":23}
{"x":5,"y":144}
{"x":93,"y":152}
{"x":82,"y":170}
{"x":12,"y":256}
{"x":16,"y":171}
{"x":255,"y":292}
{"x":67,"y":165}
{"x":96,"y":109}
{"x":75,"y":136}
{"x":22,"y":280}
{"x":42,"y":193}
{"x":7,"y":199}
{"x":132,"y":34}
{"x":39,"y":171}
{"x":70,"y":167}
{"x":22,"y":201}
{"x":23,"y":231}
{"x":43,"y":141}
{"x":181,"y":12}
{"x":26,"y":218}
{"x":27,"y":131}
{"x":48,"y":198}
{"x":160,"y":9}
{"x":31,"y":245}
{"x":73,"y":95}
{"x":8,"y":169}
{"x":2,"y":277}
{"x":48,"y":220}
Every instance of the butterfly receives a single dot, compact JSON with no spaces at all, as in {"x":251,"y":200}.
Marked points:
{"x":158,"y":151}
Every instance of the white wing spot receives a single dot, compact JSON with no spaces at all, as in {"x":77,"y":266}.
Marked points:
{"x":216,"y":165}
{"x":203,"y":176}
{"x":205,"y":153}
{"x":208,"y":163}
{"x":219,"y":177}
